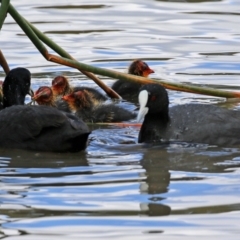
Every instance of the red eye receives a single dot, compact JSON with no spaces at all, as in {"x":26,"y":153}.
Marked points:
{"x":153,"y":98}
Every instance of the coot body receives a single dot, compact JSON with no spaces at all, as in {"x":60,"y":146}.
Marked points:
{"x":39,"y":128}
{"x":193,"y":123}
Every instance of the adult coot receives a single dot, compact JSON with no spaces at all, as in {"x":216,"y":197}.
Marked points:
{"x":195,"y":123}
{"x":129,"y":90}
{"x":38,"y":128}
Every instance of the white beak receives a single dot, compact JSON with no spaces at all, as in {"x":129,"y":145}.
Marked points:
{"x":142,"y":99}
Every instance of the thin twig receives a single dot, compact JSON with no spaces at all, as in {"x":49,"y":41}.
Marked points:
{"x":143,"y":80}
{"x":110,"y":73}
{"x":4,"y":63}
{"x":34,"y":34}
{"x":3,"y":11}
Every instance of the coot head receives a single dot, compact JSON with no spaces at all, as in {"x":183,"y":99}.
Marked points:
{"x":79,"y":100}
{"x":61,"y":86}
{"x":139,"y":68}
{"x":153,"y":100}
{"x":44,"y":96}
{"x":129,"y":90}
{"x":16,"y":86}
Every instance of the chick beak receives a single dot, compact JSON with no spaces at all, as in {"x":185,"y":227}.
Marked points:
{"x":147,"y":72}
{"x":65,"y":98}
{"x":150,"y":71}
{"x":31,"y":93}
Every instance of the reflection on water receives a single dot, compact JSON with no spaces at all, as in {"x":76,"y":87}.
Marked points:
{"x":55,"y":189}
{"x":189,"y":1}
{"x":92,"y":6}
{"x":117,"y":188}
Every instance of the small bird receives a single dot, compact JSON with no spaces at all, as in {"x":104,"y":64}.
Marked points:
{"x":192,"y":123}
{"x":61,"y":87}
{"x":38,"y":128}
{"x":129,"y":90}
{"x":86,"y":107}
{"x":44,"y":96}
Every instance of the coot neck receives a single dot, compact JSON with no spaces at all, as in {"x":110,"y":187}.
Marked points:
{"x":154,"y":127}
{"x":161,"y":118}
{"x":12,"y":95}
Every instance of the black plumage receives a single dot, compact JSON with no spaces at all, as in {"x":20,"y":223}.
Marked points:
{"x":39,"y":128}
{"x":194,"y":123}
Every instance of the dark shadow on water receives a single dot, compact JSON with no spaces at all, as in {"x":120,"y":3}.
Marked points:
{"x":15,"y":158}
{"x":160,"y":161}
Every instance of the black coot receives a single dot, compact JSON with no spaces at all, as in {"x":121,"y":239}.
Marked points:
{"x":194,"y":123}
{"x":38,"y":128}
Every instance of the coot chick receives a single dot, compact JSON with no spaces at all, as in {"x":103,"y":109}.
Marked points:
{"x":129,"y":90}
{"x":61,"y":87}
{"x":84,"y":106}
{"x":193,"y":123}
{"x":44,"y":96}
{"x":38,"y":128}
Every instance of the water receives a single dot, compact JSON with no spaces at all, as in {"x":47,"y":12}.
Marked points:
{"x":118,"y":189}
